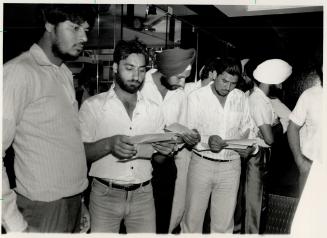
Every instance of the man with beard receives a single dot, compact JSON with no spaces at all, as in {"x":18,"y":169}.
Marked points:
{"x":165,"y":87}
{"x":121,"y":186}
{"x":40,"y":118}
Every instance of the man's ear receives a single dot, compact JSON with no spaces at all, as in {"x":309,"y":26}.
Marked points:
{"x":49,"y":27}
{"x":115,"y":68}
{"x":213,"y":75}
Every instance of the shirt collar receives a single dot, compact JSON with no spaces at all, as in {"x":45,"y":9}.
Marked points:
{"x":40,"y":57}
{"x":111,"y":94}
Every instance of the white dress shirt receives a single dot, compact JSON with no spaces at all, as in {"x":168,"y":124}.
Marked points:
{"x":104,"y":115}
{"x":206,"y":114}
{"x":172,"y":104}
{"x":307,"y":114}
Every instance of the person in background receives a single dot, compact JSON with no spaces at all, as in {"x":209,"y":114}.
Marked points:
{"x":304,"y":129}
{"x":121,"y":186}
{"x":164,"y":86}
{"x":40,"y":118}
{"x":216,"y":172}
{"x":207,"y":75}
{"x":266,"y":76}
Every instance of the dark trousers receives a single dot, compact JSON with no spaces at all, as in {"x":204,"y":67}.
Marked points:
{"x":163,"y":182}
{"x":62,"y":215}
{"x":247,"y":215}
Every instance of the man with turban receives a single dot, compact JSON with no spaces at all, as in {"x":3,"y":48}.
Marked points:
{"x":266,"y":113}
{"x":164,"y":86}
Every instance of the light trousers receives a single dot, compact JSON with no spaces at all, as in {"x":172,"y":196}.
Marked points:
{"x":182,"y":160}
{"x":221,"y":181}
{"x":109,"y":206}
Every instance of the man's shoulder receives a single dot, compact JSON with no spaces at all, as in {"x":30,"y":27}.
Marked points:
{"x":96,"y":100}
{"x":200,"y":91}
{"x":238,"y":94}
{"x":21,"y":62}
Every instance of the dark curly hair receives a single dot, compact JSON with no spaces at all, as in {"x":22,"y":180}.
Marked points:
{"x":124,"y":48}
{"x":56,"y":13}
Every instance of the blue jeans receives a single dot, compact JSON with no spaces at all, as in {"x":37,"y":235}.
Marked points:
{"x":221,"y":180}
{"x":109,"y":206}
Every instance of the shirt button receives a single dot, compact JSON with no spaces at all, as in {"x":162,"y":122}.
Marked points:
{"x":130,"y":128}
{"x":132,"y":167}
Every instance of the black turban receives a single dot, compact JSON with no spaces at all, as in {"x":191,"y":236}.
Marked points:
{"x":174,"y":61}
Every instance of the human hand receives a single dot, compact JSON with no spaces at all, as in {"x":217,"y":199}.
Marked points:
{"x":191,"y":139}
{"x":121,"y":147}
{"x":216,"y":143}
{"x":85,"y":222}
{"x":164,"y":148}
{"x":245,"y":153}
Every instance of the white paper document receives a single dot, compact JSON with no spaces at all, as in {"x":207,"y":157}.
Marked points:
{"x":179,"y":129}
{"x":151,"y":138}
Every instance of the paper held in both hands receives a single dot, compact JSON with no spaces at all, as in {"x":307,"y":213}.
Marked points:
{"x":233,"y":144}
{"x":144,"y":142}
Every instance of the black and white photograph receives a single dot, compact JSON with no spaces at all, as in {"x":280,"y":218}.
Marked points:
{"x":160,"y":118}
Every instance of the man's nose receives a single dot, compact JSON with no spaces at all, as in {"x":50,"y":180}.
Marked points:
{"x":136,"y":74}
{"x":228,"y":86}
{"x":83,"y":36}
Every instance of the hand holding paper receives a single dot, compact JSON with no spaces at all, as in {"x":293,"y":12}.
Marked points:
{"x":216,"y":143}
{"x":190,"y":137}
{"x":122,"y":147}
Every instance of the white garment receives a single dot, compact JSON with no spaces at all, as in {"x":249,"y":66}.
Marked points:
{"x":40,"y":120}
{"x":190,"y":87}
{"x":262,"y":110}
{"x":282,"y":111}
{"x":308,"y":114}
{"x":171,"y":105}
{"x":206,"y":114}
{"x":104,"y":115}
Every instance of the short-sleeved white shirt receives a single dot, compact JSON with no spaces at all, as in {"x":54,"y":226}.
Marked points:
{"x":307,"y":114}
{"x":261,"y":108}
{"x":104,"y":115}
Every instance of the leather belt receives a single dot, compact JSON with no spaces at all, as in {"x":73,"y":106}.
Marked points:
{"x":131,"y":187}
{"x":214,"y":160}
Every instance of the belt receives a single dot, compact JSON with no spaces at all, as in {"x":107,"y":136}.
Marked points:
{"x":214,"y":160}
{"x":131,"y":187}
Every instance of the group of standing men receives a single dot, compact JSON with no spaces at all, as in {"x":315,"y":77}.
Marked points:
{"x":171,"y":182}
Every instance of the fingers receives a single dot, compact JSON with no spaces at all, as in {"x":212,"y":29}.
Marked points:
{"x":163,"y":148}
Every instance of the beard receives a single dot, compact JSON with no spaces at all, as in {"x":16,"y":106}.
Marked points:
{"x":164,"y":82}
{"x":275,"y":92}
{"x":60,"y":54}
{"x":129,"y":88}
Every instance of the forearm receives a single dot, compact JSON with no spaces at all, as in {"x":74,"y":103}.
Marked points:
{"x":294,"y":142}
{"x":97,"y":150}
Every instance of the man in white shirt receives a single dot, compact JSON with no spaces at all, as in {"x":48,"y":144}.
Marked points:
{"x":216,"y":172}
{"x":165,"y":87}
{"x":40,"y":120}
{"x":121,"y":187}
{"x":304,"y":130}
{"x":266,"y":76}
